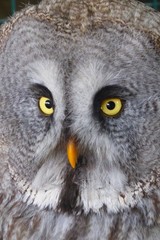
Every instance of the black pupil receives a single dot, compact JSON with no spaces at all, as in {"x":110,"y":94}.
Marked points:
{"x":110,"y":105}
{"x":48,"y":104}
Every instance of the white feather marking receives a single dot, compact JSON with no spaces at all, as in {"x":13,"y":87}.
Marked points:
{"x":94,"y":195}
{"x":48,"y":198}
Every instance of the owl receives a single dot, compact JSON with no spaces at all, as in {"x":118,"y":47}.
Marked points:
{"x":80,"y":122}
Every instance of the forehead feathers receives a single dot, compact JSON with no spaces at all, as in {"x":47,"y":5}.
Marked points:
{"x":74,"y":17}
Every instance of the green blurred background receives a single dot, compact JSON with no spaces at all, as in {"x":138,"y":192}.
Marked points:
{"x":8,"y":7}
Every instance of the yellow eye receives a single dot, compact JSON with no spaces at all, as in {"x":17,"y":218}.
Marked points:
{"x":112,"y":106}
{"x":46,"y":106}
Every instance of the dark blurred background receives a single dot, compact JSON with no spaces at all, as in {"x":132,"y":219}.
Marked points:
{"x":8,"y":7}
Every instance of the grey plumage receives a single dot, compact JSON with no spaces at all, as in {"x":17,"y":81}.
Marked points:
{"x":77,"y":54}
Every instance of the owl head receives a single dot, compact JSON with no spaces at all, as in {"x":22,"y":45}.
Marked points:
{"x":80,"y":81}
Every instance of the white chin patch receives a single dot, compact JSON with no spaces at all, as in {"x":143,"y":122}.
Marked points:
{"x":43,"y":198}
{"x":48,"y":183}
{"x":103,"y":189}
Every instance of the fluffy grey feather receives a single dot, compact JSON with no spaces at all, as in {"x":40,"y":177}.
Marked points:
{"x":78,"y":54}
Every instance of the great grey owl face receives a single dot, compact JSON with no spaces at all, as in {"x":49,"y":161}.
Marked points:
{"x":102,"y":91}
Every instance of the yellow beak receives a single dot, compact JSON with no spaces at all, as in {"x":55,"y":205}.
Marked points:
{"x":72,"y":152}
